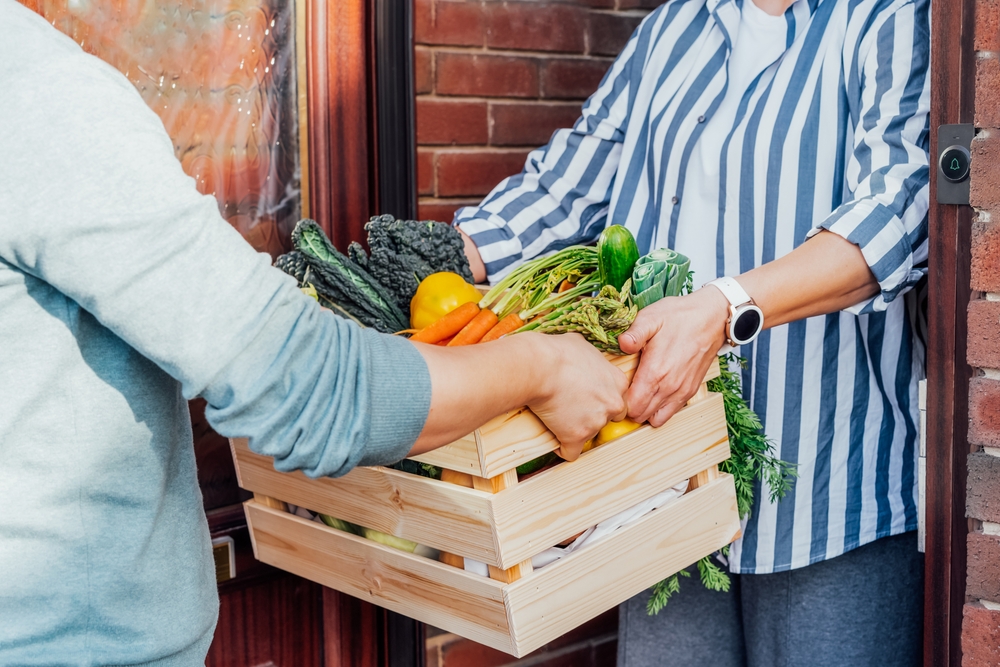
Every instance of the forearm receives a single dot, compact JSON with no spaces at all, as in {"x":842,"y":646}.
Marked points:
{"x":471,"y":385}
{"x":825,"y":274}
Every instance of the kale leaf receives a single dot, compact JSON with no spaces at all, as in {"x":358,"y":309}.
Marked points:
{"x":404,"y":252}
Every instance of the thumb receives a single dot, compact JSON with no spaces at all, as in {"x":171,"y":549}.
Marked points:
{"x":642,"y":329}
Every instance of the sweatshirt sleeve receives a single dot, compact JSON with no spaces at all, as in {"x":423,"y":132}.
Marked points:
{"x":94,"y":202}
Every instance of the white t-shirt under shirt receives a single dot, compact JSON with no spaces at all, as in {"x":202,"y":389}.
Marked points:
{"x":757,"y":44}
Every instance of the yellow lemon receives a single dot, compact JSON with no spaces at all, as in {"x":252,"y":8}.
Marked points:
{"x":615,"y":430}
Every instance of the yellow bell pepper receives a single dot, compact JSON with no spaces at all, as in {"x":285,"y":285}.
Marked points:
{"x":437,"y":295}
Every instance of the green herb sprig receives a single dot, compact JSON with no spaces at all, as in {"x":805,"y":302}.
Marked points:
{"x":752,"y":458}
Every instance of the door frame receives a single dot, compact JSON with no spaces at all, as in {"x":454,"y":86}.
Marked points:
{"x":359,"y":159}
{"x":952,"y":101}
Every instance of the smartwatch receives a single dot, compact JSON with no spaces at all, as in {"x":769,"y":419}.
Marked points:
{"x":746,"y":320}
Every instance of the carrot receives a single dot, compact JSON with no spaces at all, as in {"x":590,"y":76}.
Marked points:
{"x":512,"y":322}
{"x":565,"y":285}
{"x":449,"y":325}
{"x":476,"y":329}
{"x":444,"y":343}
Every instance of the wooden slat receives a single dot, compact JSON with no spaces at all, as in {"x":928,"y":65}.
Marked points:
{"x":608,"y":479}
{"x":461,"y":455}
{"x":268,"y":501}
{"x":234,"y":445}
{"x":468,"y":604}
{"x":512,"y":574}
{"x":506,"y":480}
{"x":571,"y":591}
{"x":704,"y":477}
{"x":513,"y":438}
{"x":437,"y":514}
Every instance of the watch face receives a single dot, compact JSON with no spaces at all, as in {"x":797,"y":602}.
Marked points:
{"x":747,"y":324}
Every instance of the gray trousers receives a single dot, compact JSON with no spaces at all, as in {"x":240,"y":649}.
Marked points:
{"x":864,"y":608}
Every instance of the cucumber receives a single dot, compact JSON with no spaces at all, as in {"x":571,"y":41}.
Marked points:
{"x":617,"y":254}
{"x":536,"y":464}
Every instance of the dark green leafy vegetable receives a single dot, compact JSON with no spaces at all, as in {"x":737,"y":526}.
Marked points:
{"x":294,"y":264}
{"x":416,"y":468}
{"x":404,"y":252}
{"x":343,"y":282}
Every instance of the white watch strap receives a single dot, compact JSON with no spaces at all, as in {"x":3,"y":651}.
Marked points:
{"x":732,"y":290}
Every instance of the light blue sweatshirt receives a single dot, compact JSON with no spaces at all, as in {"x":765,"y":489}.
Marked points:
{"x":123,"y":293}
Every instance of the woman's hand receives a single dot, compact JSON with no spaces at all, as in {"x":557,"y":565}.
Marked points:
{"x":583,"y":393}
{"x":680,"y":338}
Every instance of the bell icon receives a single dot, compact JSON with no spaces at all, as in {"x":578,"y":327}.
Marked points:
{"x":954,"y":166}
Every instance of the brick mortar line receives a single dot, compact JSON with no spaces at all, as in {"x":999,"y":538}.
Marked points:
{"x":990,"y":528}
{"x":991,"y":373}
{"x":504,"y":100}
{"x":992,"y":296}
{"x":992,"y":606}
{"x":476,"y":148}
{"x":992,"y":451}
{"x":485,"y":50}
{"x":431,"y":199}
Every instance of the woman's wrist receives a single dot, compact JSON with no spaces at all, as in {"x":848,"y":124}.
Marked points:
{"x":475,"y":259}
{"x":715,"y":306}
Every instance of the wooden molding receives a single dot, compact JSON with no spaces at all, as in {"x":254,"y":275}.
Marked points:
{"x":952,"y":101}
{"x":340,"y":119}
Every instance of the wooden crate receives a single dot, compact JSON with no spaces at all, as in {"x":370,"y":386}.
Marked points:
{"x":503,"y":523}
{"x":516,"y":617}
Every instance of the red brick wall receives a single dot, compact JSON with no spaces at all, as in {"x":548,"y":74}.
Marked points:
{"x":981,"y":623}
{"x":495,"y":78}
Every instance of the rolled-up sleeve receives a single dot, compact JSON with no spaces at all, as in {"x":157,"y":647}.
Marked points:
{"x":95,"y":204}
{"x":887,"y":170}
{"x":562,"y":195}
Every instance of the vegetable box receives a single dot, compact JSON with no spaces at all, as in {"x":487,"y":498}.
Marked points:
{"x":503,"y":522}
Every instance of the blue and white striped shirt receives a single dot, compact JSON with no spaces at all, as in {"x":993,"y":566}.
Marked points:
{"x":832,"y":135}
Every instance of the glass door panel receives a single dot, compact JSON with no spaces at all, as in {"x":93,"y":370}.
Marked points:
{"x":221,"y":74}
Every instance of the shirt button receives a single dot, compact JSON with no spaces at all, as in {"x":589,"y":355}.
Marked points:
{"x":674,"y":200}
{"x":701,"y":119}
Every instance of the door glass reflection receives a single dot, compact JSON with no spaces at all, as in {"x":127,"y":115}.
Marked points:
{"x":221,"y":75}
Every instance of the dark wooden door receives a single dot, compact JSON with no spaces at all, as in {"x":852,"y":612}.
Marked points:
{"x":952,"y":95}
